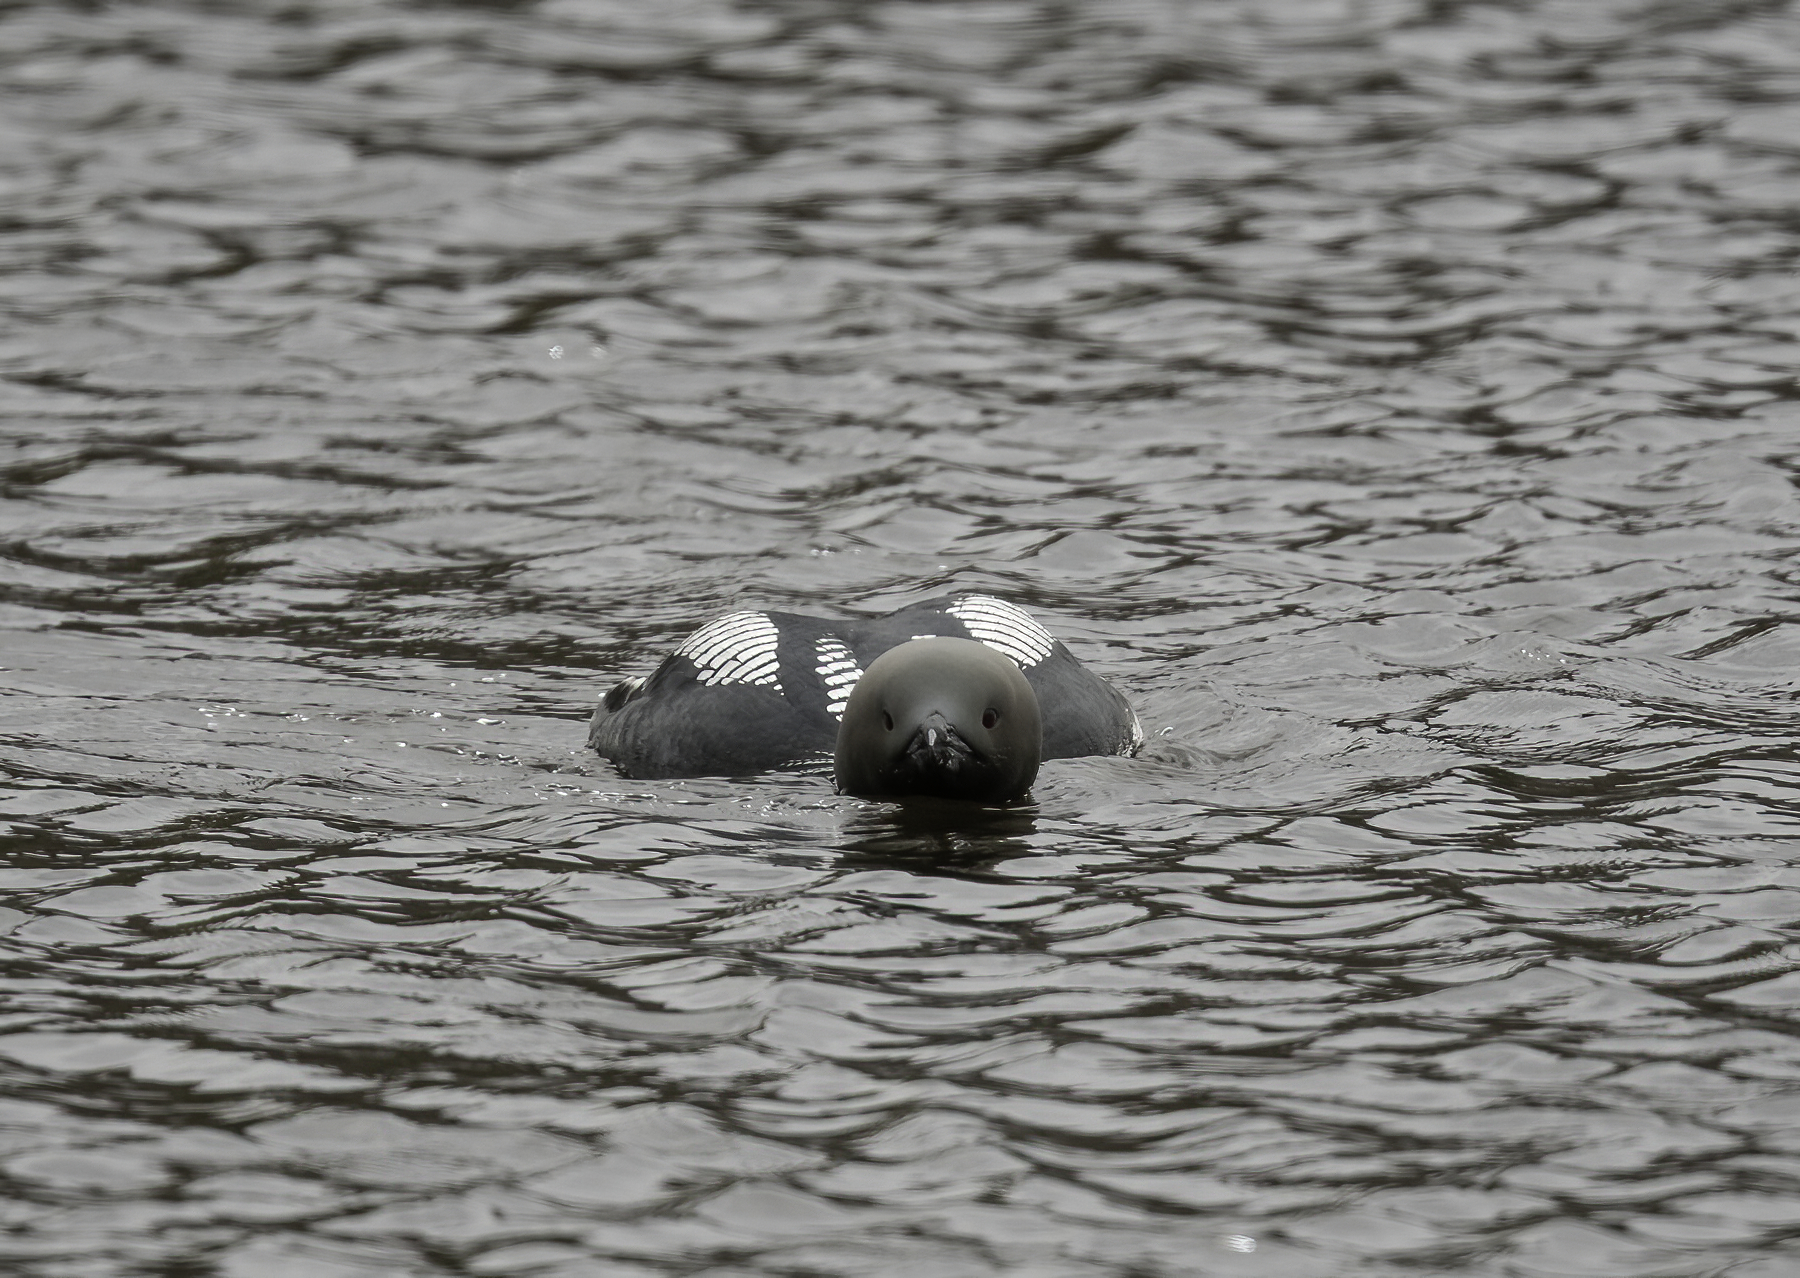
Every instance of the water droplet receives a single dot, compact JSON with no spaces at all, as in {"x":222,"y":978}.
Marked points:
{"x":1240,"y":1242}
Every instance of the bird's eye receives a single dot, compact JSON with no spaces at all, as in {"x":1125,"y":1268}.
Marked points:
{"x":990,"y":717}
{"x":887,"y":720}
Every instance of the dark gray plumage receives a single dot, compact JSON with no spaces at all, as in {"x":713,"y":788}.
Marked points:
{"x":755,"y":691}
{"x":950,"y":718}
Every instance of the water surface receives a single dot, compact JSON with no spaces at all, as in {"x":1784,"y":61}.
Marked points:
{"x":1397,"y":399}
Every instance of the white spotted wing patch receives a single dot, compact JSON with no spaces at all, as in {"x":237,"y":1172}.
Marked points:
{"x":614,"y":698}
{"x":1000,"y":625}
{"x":737,"y":648}
{"x":839,"y":671}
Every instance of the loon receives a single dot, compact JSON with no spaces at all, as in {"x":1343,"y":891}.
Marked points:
{"x":959,"y":697}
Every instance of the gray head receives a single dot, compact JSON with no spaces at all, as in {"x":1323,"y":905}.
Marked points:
{"x":950,"y":718}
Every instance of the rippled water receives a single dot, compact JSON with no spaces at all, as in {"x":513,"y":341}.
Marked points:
{"x":1398,"y":399}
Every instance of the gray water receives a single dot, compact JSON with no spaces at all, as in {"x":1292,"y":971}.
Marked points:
{"x":1397,"y":399}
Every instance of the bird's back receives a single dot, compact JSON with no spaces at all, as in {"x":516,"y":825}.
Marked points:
{"x":756,"y":691}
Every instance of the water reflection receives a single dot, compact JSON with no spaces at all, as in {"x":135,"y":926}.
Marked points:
{"x":940,"y":835}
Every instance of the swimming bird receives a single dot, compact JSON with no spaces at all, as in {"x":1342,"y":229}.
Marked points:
{"x":958,"y":697}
